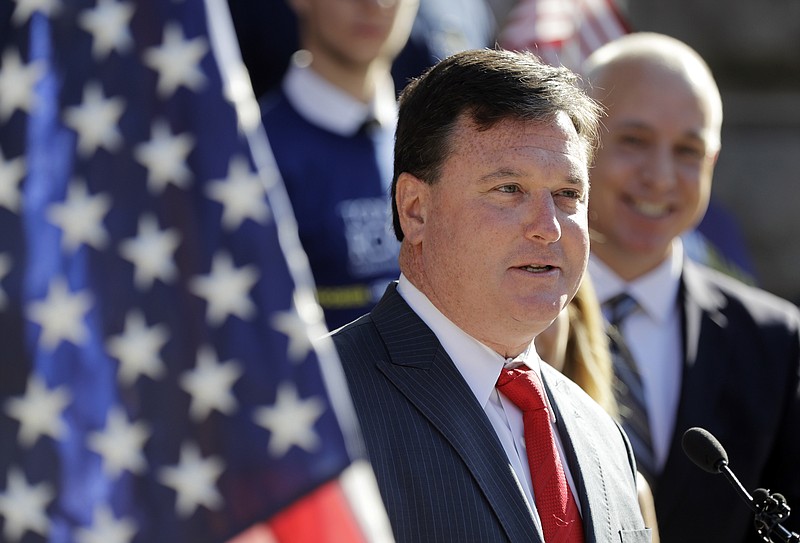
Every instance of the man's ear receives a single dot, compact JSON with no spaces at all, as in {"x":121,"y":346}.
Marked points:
{"x":411,"y":196}
{"x":714,"y":158}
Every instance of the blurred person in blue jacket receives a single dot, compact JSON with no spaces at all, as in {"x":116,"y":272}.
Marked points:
{"x":331,"y":127}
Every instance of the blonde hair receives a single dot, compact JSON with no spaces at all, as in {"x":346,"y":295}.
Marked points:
{"x":587,"y":359}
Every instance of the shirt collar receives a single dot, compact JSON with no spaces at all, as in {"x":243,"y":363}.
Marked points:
{"x":478,"y":364}
{"x":655,"y":291}
{"x":329,"y":107}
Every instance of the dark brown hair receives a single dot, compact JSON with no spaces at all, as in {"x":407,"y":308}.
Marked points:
{"x":489,"y":86}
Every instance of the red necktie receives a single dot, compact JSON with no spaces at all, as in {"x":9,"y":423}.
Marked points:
{"x":561,"y":521}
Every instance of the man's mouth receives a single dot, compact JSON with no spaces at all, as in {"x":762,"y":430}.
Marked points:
{"x":537,"y":269}
{"x":650,"y":209}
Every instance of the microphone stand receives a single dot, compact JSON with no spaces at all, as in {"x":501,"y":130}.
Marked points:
{"x":770,"y":508}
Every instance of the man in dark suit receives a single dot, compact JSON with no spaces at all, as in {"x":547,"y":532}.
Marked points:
{"x":489,"y":201}
{"x":711,"y":351}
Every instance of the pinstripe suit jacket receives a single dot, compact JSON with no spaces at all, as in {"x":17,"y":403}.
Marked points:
{"x":441,"y":470}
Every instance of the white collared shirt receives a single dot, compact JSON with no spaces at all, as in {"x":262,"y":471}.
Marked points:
{"x":327,"y":106}
{"x":654,"y":336}
{"x":480,"y":367}
{"x":330,"y":107}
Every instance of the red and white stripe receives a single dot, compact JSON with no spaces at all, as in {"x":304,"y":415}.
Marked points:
{"x":562,"y":32}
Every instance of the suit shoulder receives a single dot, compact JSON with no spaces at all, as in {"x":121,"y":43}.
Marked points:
{"x":761,"y":304}
{"x":354,"y":330}
{"x":357,"y":339}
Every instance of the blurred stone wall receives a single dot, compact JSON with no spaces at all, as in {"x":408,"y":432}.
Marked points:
{"x":753,"y":48}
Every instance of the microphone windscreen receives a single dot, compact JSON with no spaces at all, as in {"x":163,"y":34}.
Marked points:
{"x":703,"y":449}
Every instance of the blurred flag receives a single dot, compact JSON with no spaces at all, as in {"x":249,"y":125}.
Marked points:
{"x":158,"y":382}
{"x":562,"y":32}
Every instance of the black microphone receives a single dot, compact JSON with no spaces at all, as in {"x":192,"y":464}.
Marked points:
{"x":770,"y":510}
{"x":703,"y":449}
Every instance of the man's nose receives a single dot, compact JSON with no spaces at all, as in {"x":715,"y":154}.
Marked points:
{"x":659,"y":169}
{"x":541,"y":219}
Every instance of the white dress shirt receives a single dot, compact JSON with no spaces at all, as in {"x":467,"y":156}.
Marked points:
{"x":654,"y":336}
{"x":480,"y":367}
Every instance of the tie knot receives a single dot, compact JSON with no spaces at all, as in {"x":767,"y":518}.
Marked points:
{"x":523,"y":388}
{"x":619,"y":308}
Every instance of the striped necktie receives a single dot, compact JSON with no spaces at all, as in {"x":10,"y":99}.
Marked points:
{"x":628,"y":387}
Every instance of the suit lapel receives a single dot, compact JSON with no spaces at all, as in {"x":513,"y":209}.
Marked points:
{"x":424,"y":373}
{"x":585,"y":465}
{"x":700,"y":304}
{"x":698,"y":300}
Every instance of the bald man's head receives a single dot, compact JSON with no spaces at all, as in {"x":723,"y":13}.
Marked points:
{"x":651,"y":179}
{"x":651,"y":55}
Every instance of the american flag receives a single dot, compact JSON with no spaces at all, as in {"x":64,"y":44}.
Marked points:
{"x":159,"y":380}
{"x":562,"y":32}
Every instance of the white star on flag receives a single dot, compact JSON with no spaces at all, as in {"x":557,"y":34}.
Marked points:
{"x":164,"y":156}
{"x":39,"y":411}
{"x":120,"y":444}
{"x":147,"y":249}
{"x":26,"y":8}
{"x":290,"y":421}
{"x":241,"y":194}
{"x":194,"y":480}
{"x":11,"y":174}
{"x":61,"y":315}
{"x":177,"y":61}
{"x":291,"y":324}
{"x":137,"y":349}
{"x":151,"y":252}
{"x":106,"y":528}
{"x":210,"y":384}
{"x":108,"y":23}
{"x":95,"y":120}
{"x":80,"y":217}
{"x":16,"y":84}
{"x":225,"y":289}
{"x":23,"y":506}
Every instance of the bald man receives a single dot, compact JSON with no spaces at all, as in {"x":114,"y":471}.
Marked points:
{"x":710,"y":351}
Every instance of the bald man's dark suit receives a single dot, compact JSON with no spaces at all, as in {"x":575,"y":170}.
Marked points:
{"x":741,"y":381}
{"x":441,"y":469}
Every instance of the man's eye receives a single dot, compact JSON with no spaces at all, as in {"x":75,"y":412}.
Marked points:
{"x":509,"y":189}
{"x":571,"y":193}
{"x":631,"y":140}
{"x":692,"y":153}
